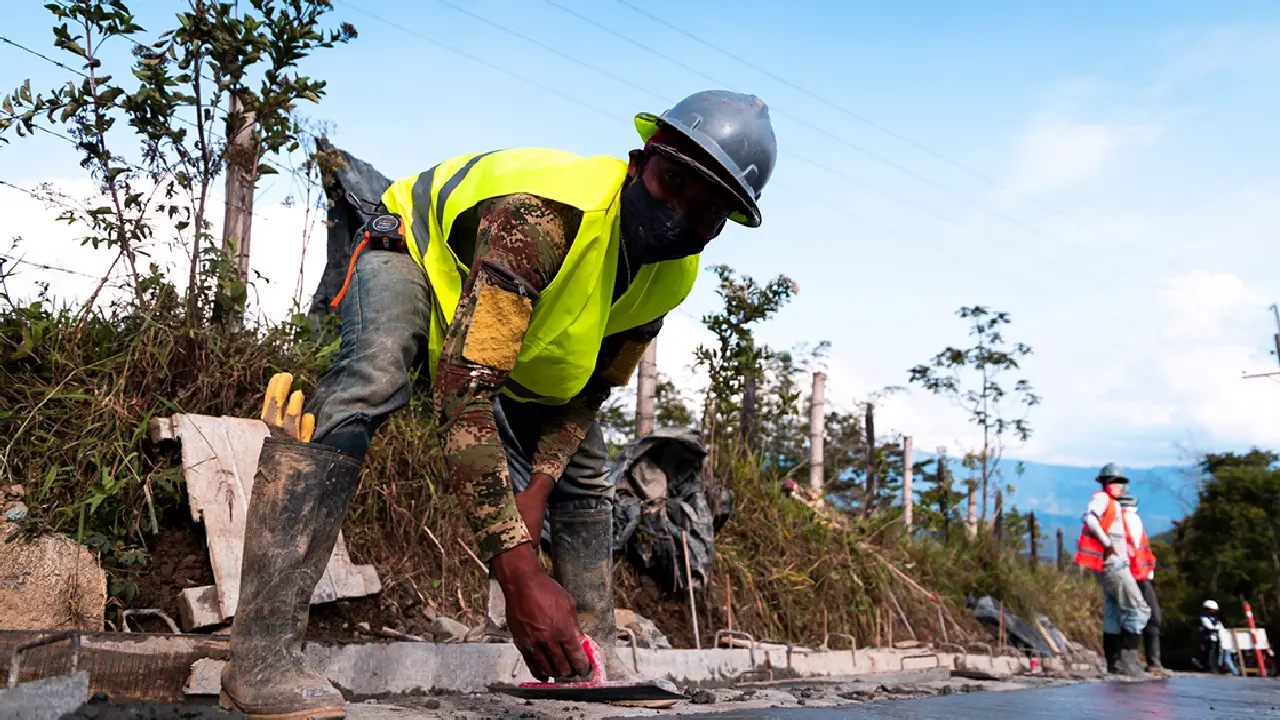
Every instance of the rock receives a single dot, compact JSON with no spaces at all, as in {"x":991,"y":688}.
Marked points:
{"x":431,"y":704}
{"x":17,"y":491}
{"x":50,"y":583}
{"x":16,"y":513}
{"x":647,"y":634}
{"x":703,"y":697}
{"x":446,"y":630}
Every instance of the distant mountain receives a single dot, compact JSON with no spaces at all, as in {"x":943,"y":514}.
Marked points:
{"x":1058,"y":495}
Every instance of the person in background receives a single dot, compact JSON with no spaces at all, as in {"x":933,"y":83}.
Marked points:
{"x":1212,"y":655}
{"x":1142,"y":564}
{"x":1103,"y":548}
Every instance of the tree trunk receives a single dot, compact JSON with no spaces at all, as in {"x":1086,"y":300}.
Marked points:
{"x":870,"y":425}
{"x":817,"y":431}
{"x":646,"y":387}
{"x":237,"y":226}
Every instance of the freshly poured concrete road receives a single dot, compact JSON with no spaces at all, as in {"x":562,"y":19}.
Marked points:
{"x":1180,"y":698}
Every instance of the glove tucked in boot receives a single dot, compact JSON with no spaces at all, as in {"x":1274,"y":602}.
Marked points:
{"x":1151,"y":638}
{"x":300,"y":496}
{"x":1129,"y":655}
{"x":1111,"y":651}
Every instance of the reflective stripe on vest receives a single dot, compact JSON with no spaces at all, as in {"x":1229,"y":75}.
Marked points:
{"x":1142,"y":561}
{"x":575,"y":311}
{"x":1090,"y":552}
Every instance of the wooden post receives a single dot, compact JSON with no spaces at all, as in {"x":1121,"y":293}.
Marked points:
{"x":242,"y":169}
{"x":971,"y":520}
{"x":908,"y":496}
{"x":688,"y":579}
{"x":944,"y":496}
{"x":870,"y":425}
{"x":999,"y":516}
{"x":1035,"y":549}
{"x":646,"y":388}
{"x":747,"y":431}
{"x":1062,"y":554}
{"x":728,"y":599}
{"x":817,"y":431}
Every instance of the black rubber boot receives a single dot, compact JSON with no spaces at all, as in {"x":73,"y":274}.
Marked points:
{"x":1111,"y":651}
{"x":1151,"y":640}
{"x":300,"y":496}
{"x":1130,"y":655}
{"x":582,"y":562}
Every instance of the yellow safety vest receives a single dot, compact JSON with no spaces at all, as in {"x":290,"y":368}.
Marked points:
{"x":575,"y":311}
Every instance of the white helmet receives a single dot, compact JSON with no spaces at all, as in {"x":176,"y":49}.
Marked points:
{"x":1211,"y":605}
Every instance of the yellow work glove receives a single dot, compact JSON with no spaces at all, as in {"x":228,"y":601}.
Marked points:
{"x":286,"y":419}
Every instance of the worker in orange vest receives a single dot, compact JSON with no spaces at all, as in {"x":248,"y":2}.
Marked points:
{"x":1103,"y":548}
{"x":1142,"y":564}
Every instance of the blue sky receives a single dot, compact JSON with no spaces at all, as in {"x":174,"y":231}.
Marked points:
{"x":1129,"y":229}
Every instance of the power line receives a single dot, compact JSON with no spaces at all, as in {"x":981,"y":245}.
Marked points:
{"x":482,"y":61}
{"x":23,"y":261}
{"x":838,"y":173}
{"x":870,"y":123}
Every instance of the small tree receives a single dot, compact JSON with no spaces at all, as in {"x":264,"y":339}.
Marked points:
{"x":215,"y":51}
{"x":736,"y":358}
{"x":972,"y":378}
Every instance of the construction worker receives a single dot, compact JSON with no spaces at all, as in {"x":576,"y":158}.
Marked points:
{"x":1103,"y":548}
{"x":1213,"y":656}
{"x":529,"y":283}
{"x":1142,"y":564}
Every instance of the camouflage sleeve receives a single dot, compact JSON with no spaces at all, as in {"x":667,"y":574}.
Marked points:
{"x":521,"y":242}
{"x":619,"y":356}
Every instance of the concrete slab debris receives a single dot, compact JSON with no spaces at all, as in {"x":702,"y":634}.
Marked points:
{"x":219,"y":460}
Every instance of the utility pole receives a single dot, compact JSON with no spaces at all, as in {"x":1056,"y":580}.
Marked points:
{"x":748,"y":429}
{"x":944,"y":495}
{"x":1035,"y":548}
{"x":908,"y":498}
{"x":971,"y":522}
{"x":242,"y":168}
{"x":870,"y":425}
{"x":646,"y":388}
{"x":817,"y":434}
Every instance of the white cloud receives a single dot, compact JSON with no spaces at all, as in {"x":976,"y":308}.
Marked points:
{"x":1055,"y":154}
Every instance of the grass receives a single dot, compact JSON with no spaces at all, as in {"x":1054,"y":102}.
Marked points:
{"x":77,"y":394}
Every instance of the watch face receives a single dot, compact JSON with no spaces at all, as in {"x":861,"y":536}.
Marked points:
{"x":385,"y":223}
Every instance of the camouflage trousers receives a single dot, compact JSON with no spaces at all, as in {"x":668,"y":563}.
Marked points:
{"x":385,"y":315}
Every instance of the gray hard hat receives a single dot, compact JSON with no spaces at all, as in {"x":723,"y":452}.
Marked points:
{"x":735,"y":130}
{"x":1112,"y":473}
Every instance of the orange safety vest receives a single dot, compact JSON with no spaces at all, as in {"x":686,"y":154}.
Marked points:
{"x":1089,"y":549}
{"x":1142,"y":562}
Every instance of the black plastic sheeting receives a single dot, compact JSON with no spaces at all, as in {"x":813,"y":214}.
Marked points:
{"x":660,"y":495}
{"x":1021,"y":634}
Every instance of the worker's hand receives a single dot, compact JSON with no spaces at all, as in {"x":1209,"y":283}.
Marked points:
{"x":284,"y":419}
{"x":532,"y":504}
{"x":541,"y":616}
{"x":1108,"y":551}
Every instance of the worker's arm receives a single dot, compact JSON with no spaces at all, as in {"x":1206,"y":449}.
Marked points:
{"x":1093,"y":518}
{"x":521,"y":242}
{"x":567,"y":425}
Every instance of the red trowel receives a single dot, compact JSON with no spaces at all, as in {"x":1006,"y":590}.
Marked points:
{"x":597,"y":689}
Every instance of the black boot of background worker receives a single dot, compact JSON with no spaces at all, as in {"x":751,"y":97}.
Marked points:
{"x":1111,"y":651}
{"x":1151,"y":639}
{"x":300,"y":496}
{"x":1130,"y":648}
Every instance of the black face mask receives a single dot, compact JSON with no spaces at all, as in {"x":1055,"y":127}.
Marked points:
{"x":652,"y":231}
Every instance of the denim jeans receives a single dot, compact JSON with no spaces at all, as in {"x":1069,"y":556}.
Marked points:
{"x":1124,"y":610}
{"x":386,"y":315}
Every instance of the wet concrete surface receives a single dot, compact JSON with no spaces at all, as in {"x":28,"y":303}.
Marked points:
{"x":1179,"y":698}
{"x":1024,"y":698}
